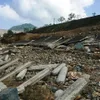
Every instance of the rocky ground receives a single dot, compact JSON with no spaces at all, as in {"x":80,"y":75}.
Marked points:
{"x":78,"y":62}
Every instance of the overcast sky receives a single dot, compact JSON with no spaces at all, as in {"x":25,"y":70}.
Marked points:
{"x":40,"y":12}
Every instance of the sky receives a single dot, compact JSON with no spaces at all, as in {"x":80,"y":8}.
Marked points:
{"x":41,"y":12}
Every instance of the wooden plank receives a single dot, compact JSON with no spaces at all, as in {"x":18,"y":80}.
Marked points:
{"x":72,"y":91}
{"x":41,"y":67}
{"x":20,"y":68}
{"x":34,"y":79}
{"x":8,"y":64}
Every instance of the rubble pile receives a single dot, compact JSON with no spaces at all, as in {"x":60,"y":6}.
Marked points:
{"x":68,"y":73}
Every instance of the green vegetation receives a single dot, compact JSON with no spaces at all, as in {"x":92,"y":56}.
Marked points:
{"x":71,"y":16}
{"x":24,"y":27}
{"x":9,"y":33}
{"x":73,"y":24}
{"x":61,"y":19}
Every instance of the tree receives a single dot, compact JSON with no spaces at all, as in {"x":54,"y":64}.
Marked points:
{"x":10,"y":32}
{"x":61,"y":19}
{"x":94,"y":14}
{"x":71,"y":16}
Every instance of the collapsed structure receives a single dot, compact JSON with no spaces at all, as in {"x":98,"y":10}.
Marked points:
{"x":52,"y":67}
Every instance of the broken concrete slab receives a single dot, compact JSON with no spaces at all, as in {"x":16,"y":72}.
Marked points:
{"x":21,"y":89}
{"x":8,"y":64}
{"x":21,"y":75}
{"x":35,"y":79}
{"x":58,"y":93}
{"x":62,"y":75}
{"x":5,"y":62}
{"x":57,"y":70}
{"x":2,"y":86}
{"x":41,"y":67}
{"x":6,"y":57}
{"x":20,"y":68}
{"x":72,"y":91}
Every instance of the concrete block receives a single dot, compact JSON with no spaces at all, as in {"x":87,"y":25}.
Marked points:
{"x":9,"y":94}
{"x":2,"y":86}
{"x":57,"y":70}
{"x":62,"y":75}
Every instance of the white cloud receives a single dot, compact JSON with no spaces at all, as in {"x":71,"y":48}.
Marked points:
{"x":43,"y":11}
{"x":9,"y":13}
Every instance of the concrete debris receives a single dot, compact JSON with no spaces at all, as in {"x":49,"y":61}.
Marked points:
{"x":4,"y":62}
{"x":17,"y":70}
{"x":72,"y":91}
{"x":35,"y":78}
{"x":58,"y":93}
{"x":41,"y":67}
{"x":87,"y":49}
{"x":62,"y":75}
{"x":57,"y":70}
{"x":65,"y":61}
{"x":8,"y":64}
{"x":21,"y":75}
{"x":99,"y":83}
{"x":21,"y":89}
{"x":2,"y":86}
{"x":6,"y":57}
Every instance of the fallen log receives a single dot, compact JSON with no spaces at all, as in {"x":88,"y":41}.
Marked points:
{"x":57,"y":70}
{"x":72,"y":91}
{"x":20,"y":68}
{"x":21,"y":75}
{"x":62,"y":75}
{"x":34,"y":79}
{"x":8,"y":64}
{"x":41,"y":67}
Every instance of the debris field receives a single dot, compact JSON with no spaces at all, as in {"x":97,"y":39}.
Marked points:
{"x":52,"y":68}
